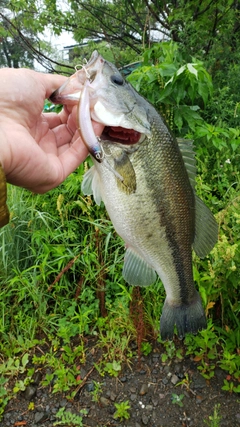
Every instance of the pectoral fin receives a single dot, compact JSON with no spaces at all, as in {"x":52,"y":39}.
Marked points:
{"x":206,"y":229}
{"x":90,"y":185}
{"x":136,"y":271}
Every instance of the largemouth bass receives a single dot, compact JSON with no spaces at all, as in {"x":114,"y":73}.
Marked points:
{"x":145,"y":177}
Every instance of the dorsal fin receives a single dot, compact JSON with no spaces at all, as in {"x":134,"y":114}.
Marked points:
{"x":206,"y":228}
{"x":188,"y":155}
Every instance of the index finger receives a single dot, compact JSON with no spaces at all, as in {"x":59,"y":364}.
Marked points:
{"x":51,"y":82}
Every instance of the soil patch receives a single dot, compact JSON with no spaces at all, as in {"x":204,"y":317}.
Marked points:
{"x":149,"y":386}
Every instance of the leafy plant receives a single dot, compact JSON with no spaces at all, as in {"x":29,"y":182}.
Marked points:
{"x":122,"y":410}
{"x":96,"y":392}
{"x":113,"y":368}
{"x":67,"y":418}
{"x":5,"y":396}
{"x":170,"y":351}
{"x":177,"y":399}
{"x":146,"y":348}
{"x":177,"y":89}
{"x":15,"y":366}
{"x":10,"y":370}
{"x":204,"y":346}
{"x":230,"y":362}
{"x":63,"y":367}
{"x":215,"y":419}
{"x":230,"y":386}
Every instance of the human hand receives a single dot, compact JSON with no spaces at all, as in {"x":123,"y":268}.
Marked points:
{"x":37,"y":150}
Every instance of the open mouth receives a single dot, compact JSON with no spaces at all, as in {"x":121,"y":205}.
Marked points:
{"x":121,"y":135}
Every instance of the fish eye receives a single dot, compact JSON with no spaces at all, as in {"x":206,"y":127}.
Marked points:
{"x":117,"y":79}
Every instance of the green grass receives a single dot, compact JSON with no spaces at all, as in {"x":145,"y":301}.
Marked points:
{"x":61,"y":264}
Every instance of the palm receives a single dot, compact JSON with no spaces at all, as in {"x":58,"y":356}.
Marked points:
{"x":41,"y":149}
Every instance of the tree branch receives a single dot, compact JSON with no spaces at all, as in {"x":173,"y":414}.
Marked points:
{"x":37,"y":54}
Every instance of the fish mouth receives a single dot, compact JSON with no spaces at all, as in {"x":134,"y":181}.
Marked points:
{"x":70,"y":94}
{"x":121,"y":135}
{"x":89,"y":89}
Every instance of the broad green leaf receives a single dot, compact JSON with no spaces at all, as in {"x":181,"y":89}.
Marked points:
{"x":192,"y":70}
{"x":25,"y":359}
{"x":178,"y":120}
{"x":181,"y":70}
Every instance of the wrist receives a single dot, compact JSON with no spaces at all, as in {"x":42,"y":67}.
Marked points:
{"x":4,"y":214}
{"x":4,"y":150}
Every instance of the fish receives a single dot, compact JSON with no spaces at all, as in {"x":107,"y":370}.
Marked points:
{"x":146,"y":179}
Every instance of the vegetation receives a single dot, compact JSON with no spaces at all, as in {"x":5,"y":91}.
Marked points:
{"x":61,"y":260}
{"x":215,"y":419}
{"x":128,"y":28}
{"x":122,"y":410}
{"x":66,"y":418}
{"x":177,"y":399}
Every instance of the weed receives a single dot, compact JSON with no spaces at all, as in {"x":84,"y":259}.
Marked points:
{"x":215,"y":419}
{"x":207,"y":369}
{"x":146,"y":348}
{"x":115,"y":335}
{"x":96,"y":392}
{"x":5,"y":396}
{"x":113,"y":368}
{"x":186,"y":382}
{"x":204,"y":346}
{"x":20,"y":385}
{"x":122,"y":411}
{"x":63,"y":367}
{"x":231,"y":363}
{"x":9,"y":370}
{"x":230,"y":386}
{"x":31,"y":406}
{"x":170,"y":351}
{"x":177,"y":399}
{"x":15,"y":366}
{"x":69,"y":419}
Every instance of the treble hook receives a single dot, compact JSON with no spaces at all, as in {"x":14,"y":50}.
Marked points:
{"x":82,"y":66}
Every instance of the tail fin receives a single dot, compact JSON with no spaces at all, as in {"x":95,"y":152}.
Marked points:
{"x":187,"y":317}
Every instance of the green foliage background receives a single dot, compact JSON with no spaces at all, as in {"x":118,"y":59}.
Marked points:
{"x":61,"y":259}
